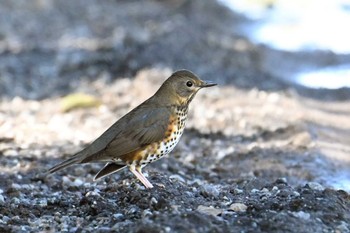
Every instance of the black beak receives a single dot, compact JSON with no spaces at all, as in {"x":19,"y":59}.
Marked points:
{"x":207,"y":84}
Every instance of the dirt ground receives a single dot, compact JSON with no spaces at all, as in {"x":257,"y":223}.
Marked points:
{"x":258,"y":154}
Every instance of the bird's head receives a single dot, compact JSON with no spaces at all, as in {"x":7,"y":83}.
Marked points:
{"x":181,"y":87}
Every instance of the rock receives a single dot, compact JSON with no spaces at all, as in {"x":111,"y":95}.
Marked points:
{"x":302,"y":215}
{"x":208,"y":190}
{"x":343,"y":227}
{"x":315,"y":186}
{"x":177,"y":177}
{"x":281,"y":180}
{"x":237,"y":191}
{"x":118,"y":216}
{"x":42,"y":202}
{"x":5,"y":219}
{"x":95,"y":192}
{"x":238,"y":207}
{"x":209,"y":210}
{"x":2,"y":199}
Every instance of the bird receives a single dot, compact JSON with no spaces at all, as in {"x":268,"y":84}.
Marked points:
{"x":145,"y":134}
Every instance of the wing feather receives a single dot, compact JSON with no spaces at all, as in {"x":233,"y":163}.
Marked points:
{"x":143,"y":126}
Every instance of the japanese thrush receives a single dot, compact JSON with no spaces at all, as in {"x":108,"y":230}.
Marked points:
{"x":146,"y":133}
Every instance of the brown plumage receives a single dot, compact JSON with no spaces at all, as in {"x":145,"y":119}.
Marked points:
{"x":145,"y":134}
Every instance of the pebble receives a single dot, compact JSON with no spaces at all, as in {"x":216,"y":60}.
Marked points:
{"x":5,"y":219}
{"x":10,"y":152}
{"x":238,"y":207}
{"x":15,"y":201}
{"x":2,"y":199}
{"x":132,"y":210}
{"x":296,"y":194}
{"x":78,"y":182}
{"x":209,"y":190}
{"x":177,"y":177}
{"x":154,"y":201}
{"x":237,"y":191}
{"x":146,"y":213}
{"x":254,"y":190}
{"x":302,"y":215}
{"x":95,"y":192}
{"x":189,"y":194}
{"x":343,"y":227}
{"x":42,"y":203}
{"x":265,"y":190}
{"x":16,"y":186}
{"x":315,"y":186}
{"x":209,"y":210}
{"x":117,"y":215}
{"x":281,"y":180}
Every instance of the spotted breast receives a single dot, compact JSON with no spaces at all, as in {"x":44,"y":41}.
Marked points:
{"x":163,"y":147}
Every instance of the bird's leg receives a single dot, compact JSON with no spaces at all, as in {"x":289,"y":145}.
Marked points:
{"x":138,"y":173}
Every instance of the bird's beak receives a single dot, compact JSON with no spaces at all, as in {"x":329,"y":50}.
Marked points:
{"x":207,"y":84}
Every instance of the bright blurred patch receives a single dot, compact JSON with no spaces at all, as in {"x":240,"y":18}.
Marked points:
{"x":78,"y":100}
{"x":331,"y":78}
{"x":298,"y":25}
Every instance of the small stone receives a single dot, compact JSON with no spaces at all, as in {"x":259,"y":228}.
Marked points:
{"x":154,"y":201}
{"x":117,"y":215}
{"x":238,"y":207}
{"x":302,"y":215}
{"x":209,"y":210}
{"x":281,"y":180}
{"x":78,"y":182}
{"x":315,"y":186}
{"x":302,"y":140}
{"x":15,"y":201}
{"x":95,"y":192}
{"x":132,"y":210}
{"x":177,"y":177}
{"x":5,"y":219}
{"x":146,"y":213}
{"x":2,"y":199}
{"x":10,"y":152}
{"x":265,"y":190}
{"x":255,"y":190}
{"x":343,"y":227}
{"x":296,"y":194}
{"x":42,"y":203}
{"x":209,"y":190}
{"x":237,"y":191}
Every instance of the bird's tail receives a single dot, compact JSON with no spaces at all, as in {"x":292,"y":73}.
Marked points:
{"x":74,"y":160}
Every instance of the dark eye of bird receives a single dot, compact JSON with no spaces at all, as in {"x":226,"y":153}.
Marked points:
{"x":189,"y":84}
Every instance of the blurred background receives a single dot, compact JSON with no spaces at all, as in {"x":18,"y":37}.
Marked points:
{"x":282,"y":68}
{"x":48,"y":47}
{"x":273,"y":135}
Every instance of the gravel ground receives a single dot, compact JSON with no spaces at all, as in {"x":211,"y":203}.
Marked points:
{"x":258,"y":154}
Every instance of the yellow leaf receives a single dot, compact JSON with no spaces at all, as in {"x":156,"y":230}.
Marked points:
{"x":78,"y":100}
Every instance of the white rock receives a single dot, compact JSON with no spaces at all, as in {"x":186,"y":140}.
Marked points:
{"x":209,"y":190}
{"x":301,"y":215}
{"x":209,"y":210}
{"x":238,"y":207}
{"x":2,"y":199}
{"x":316,"y":186}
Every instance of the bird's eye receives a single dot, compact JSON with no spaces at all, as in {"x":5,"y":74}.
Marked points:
{"x":189,"y":84}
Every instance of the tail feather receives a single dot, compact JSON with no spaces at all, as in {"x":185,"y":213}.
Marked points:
{"x":74,"y":160}
{"x":109,"y":169}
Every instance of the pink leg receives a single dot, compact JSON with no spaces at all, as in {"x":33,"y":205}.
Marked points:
{"x":137,"y":172}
